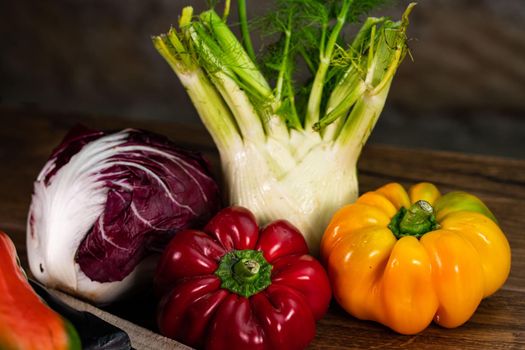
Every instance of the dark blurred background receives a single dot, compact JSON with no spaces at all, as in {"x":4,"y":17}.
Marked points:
{"x":464,"y":90}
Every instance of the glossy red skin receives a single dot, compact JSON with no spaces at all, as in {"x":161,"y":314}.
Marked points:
{"x":196,"y":311}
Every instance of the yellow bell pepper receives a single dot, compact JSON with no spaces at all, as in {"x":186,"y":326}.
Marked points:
{"x":405,"y":259}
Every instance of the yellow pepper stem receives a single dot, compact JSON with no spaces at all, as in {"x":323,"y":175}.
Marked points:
{"x":414,"y":221}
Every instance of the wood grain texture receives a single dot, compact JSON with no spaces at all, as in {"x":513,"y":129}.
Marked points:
{"x":27,"y":138}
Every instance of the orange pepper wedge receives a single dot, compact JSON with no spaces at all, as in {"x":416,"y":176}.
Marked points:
{"x":26,"y":322}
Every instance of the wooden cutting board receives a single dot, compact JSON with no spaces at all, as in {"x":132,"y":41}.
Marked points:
{"x":141,"y":338}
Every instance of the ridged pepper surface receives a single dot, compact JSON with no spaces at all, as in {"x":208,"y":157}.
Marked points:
{"x":233,"y":286}
{"x":405,"y":259}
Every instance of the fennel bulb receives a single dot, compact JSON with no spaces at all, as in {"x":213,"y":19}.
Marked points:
{"x":286,"y":154}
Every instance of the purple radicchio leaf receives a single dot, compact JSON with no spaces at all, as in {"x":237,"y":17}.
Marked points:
{"x":154,"y":190}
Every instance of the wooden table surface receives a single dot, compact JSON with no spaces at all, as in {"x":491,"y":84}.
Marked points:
{"x":27,"y":138}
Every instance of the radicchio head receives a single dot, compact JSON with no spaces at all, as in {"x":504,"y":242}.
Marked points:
{"x":105,"y":203}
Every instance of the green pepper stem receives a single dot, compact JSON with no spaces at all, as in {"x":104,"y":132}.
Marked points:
{"x":244,"y":272}
{"x":414,"y":221}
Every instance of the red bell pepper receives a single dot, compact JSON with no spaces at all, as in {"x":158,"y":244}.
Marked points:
{"x":233,"y":287}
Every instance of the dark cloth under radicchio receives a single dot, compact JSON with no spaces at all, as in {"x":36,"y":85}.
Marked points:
{"x":141,"y":216}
